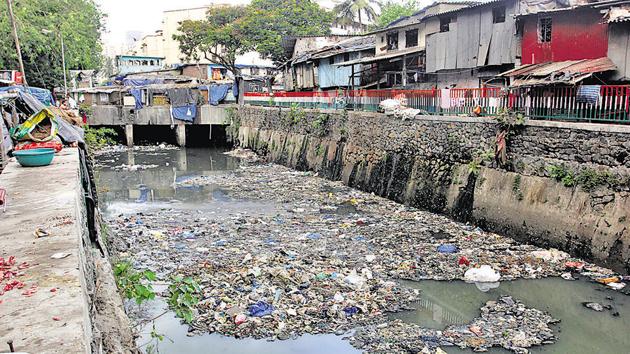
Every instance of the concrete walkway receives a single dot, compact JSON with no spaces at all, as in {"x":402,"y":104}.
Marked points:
{"x":50,"y":313}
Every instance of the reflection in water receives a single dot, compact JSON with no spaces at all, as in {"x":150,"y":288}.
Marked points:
{"x":582,"y":331}
{"x":124,"y":191}
{"x":179,"y":342}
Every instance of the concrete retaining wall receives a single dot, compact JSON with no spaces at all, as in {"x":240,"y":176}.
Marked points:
{"x":75,"y":307}
{"x":425,"y":162}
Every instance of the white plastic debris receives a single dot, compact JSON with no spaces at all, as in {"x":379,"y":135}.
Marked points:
{"x":483,"y":274}
{"x":617,"y":286}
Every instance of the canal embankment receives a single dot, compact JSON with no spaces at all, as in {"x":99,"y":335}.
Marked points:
{"x":560,"y":184}
{"x":59,"y":294}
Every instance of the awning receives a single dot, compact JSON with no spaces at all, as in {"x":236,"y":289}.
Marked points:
{"x":381,"y":57}
{"x":567,"y":72}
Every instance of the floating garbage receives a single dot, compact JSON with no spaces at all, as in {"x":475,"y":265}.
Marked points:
{"x":483,"y":274}
{"x":326,"y":259}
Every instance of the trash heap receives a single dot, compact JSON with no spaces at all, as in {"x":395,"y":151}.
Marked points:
{"x":320,"y":257}
{"x":504,"y":323}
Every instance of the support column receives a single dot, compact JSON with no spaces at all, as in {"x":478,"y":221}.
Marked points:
{"x":129,"y":134}
{"x":210,"y":132}
{"x":180,"y":135}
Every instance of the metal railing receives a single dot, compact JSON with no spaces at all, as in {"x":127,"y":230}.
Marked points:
{"x":611,"y":104}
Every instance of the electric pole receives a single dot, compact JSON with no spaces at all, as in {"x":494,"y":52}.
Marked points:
{"x":18,"y":50}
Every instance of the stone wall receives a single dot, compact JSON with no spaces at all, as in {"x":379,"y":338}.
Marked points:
{"x":565,"y":184}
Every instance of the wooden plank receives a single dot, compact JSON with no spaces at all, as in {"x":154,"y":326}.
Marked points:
{"x":451,"y":47}
{"x":462,"y":43}
{"x":431,"y":63}
{"x":474,"y":31}
{"x":485,"y":37}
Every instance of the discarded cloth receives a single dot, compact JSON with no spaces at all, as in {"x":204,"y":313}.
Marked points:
{"x":137,"y":95}
{"x":588,"y":94}
{"x":218,"y":93}
{"x":260,"y":309}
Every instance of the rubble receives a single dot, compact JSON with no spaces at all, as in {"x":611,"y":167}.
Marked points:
{"x":327,"y":260}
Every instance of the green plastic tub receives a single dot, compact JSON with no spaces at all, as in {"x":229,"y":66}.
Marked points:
{"x":34,"y":157}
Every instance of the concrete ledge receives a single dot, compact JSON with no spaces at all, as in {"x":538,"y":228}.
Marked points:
{"x":155,"y":115}
{"x":49,"y":197}
{"x":596,"y":127}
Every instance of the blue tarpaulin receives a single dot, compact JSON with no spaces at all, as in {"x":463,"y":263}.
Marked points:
{"x":142,"y":82}
{"x":44,"y":96}
{"x":218,"y":94}
{"x":185,"y":113}
{"x":137,"y":94}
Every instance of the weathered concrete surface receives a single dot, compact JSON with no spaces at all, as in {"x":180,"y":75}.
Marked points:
{"x":154,"y":115}
{"x":49,"y":197}
{"x":424,"y":162}
{"x":83,"y":314}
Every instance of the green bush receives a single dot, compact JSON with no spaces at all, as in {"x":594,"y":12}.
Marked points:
{"x":183,"y":297}
{"x":134,"y":284}
{"x":98,"y":138}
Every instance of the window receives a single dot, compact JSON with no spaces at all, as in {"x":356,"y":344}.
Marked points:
{"x":346,"y":57}
{"x":255,"y":71}
{"x":445,"y":23}
{"x":544,"y":30}
{"x":411,"y":38}
{"x":392,"y":41}
{"x":498,"y":14}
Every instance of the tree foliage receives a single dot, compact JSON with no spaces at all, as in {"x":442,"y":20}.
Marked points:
{"x":229,"y":31}
{"x":351,"y":11}
{"x":391,"y":11}
{"x":78,"y":21}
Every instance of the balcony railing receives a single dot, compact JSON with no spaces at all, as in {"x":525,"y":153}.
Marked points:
{"x":611,"y":104}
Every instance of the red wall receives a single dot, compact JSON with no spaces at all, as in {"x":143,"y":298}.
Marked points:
{"x":575,"y":35}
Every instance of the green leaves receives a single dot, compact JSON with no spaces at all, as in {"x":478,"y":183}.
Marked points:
{"x":392,"y":11}
{"x":78,"y":21}
{"x":260,"y":26}
{"x":134,"y":284}
{"x":98,"y":138}
{"x":183,"y":297}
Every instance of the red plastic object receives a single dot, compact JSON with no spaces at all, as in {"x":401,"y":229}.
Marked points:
{"x":47,"y":145}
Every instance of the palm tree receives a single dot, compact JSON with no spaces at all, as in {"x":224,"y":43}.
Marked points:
{"x":349,"y":11}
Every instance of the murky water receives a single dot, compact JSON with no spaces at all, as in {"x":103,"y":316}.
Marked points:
{"x":581,"y":330}
{"x":130,"y":191}
{"x":124,"y":191}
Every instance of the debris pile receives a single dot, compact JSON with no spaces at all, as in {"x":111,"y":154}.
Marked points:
{"x":504,"y":323}
{"x":320,"y":257}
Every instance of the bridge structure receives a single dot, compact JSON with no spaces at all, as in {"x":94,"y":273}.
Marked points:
{"x":131,"y":119}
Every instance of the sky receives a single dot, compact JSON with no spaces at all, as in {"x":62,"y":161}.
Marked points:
{"x":141,"y":17}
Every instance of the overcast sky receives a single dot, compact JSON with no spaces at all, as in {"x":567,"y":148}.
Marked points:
{"x":145,"y":16}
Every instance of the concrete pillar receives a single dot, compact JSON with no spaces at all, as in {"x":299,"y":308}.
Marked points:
{"x":182,"y":160}
{"x":180,"y":135}
{"x":129,"y":134}
{"x":210,"y":133}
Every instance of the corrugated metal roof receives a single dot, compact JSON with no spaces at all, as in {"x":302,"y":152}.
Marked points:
{"x":618,"y":14}
{"x":570,"y":71}
{"x":381,"y":57}
{"x":345,"y":46}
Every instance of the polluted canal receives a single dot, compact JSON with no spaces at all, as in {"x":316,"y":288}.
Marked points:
{"x":251,"y":257}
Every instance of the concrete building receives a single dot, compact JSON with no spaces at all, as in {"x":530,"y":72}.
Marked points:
{"x":130,"y":64}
